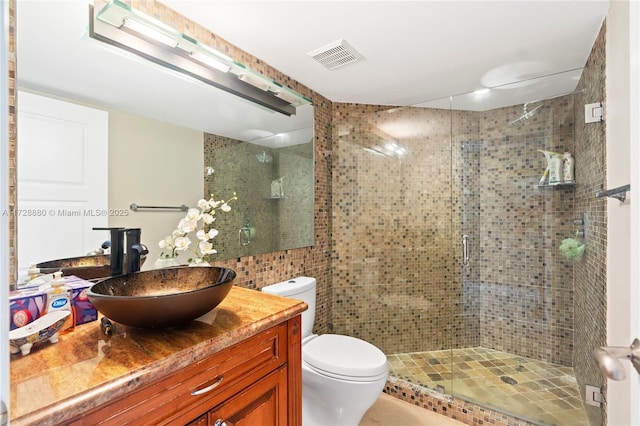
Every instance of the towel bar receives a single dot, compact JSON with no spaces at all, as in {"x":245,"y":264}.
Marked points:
{"x":135,"y":207}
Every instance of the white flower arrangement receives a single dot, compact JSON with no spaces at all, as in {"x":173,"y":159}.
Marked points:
{"x":198,"y":220}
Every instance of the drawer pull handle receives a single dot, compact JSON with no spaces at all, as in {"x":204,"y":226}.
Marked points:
{"x":208,"y":388}
{"x":220,"y":422}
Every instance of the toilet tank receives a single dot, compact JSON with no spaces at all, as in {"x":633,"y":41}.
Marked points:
{"x":300,"y":288}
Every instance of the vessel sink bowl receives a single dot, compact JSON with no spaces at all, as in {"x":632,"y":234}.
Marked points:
{"x":162,"y":298}
{"x":86,"y":267}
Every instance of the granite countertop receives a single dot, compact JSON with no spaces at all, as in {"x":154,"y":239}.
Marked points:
{"x":86,"y":368}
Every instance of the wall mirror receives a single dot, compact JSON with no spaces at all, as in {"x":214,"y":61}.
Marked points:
{"x":171,"y":141}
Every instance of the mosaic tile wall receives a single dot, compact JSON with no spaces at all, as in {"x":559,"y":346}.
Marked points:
{"x":394,"y":269}
{"x":279,"y":222}
{"x":398,"y":221}
{"x":11,"y":102}
{"x":590,"y":272}
{"x":260,"y":270}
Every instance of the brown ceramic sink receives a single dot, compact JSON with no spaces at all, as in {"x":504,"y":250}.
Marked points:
{"x":162,"y":298}
{"x":87,"y":267}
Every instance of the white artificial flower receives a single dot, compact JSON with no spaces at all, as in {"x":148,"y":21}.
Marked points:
{"x":193,"y":214}
{"x":182,"y":243}
{"x":189,"y":226}
{"x":166,"y":242}
{"x":206,"y":248}
{"x":179,"y":240}
{"x":204,"y":205}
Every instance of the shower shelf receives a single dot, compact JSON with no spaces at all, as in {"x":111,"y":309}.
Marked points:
{"x":560,"y":185}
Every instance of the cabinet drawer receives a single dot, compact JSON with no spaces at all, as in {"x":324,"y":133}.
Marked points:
{"x":202,"y":385}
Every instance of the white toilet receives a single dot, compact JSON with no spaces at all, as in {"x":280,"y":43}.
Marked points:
{"x":341,"y":376}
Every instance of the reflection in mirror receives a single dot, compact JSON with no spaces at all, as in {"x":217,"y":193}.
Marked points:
{"x":160,"y":124}
{"x":272,"y":183}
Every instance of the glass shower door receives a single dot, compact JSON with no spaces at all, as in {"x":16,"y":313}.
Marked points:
{"x":393,"y":248}
{"x":513,"y":352}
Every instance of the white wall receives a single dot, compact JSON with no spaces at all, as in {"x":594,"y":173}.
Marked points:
{"x":152,"y":163}
{"x":634,"y":159}
{"x":622,"y":409}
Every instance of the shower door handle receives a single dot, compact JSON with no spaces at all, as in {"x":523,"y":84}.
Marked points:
{"x":465,"y":250}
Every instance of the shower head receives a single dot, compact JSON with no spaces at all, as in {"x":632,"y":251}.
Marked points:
{"x":526,"y":114}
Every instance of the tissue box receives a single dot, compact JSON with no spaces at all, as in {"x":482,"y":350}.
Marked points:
{"x":85,"y":311}
{"x":26,"y":306}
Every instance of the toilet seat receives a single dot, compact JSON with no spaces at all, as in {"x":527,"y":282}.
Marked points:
{"x":345,"y":357}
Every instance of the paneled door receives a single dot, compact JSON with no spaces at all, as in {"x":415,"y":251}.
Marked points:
{"x":62,"y":179}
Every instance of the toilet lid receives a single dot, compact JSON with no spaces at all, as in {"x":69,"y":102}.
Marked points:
{"x":345,"y":356}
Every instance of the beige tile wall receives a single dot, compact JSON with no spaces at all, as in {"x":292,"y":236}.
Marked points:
{"x":13,"y":240}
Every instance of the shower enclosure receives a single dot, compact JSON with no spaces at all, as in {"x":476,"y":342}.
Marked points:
{"x":446,"y":246}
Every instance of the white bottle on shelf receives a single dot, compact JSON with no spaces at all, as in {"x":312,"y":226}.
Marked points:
{"x":555,"y":169}
{"x":568,"y":168}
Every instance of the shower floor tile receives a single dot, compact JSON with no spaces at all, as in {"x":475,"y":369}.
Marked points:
{"x":533,"y":390}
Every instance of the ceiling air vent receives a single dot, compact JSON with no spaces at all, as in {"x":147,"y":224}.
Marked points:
{"x":336,"y":54}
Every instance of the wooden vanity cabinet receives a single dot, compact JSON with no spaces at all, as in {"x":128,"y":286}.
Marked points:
{"x":256,"y":382}
{"x":262,"y":404}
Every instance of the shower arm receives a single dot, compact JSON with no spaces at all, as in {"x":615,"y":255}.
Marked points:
{"x":611,"y":367}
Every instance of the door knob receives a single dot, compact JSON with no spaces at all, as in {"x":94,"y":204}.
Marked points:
{"x":608,"y":357}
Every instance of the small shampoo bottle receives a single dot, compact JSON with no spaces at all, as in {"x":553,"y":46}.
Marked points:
{"x":59,"y":299}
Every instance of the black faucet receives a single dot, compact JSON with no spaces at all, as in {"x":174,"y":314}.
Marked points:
{"x":134,"y":249}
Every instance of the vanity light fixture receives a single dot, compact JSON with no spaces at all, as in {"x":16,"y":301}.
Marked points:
{"x":146,"y":31}
{"x":118,"y":24}
{"x":288,"y":95}
{"x":255,"y":80}
{"x":204,"y":54}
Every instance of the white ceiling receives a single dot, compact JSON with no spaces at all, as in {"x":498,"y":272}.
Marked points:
{"x":414,"y":51}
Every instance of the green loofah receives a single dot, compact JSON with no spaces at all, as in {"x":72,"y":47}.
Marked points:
{"x":572,"y":248}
